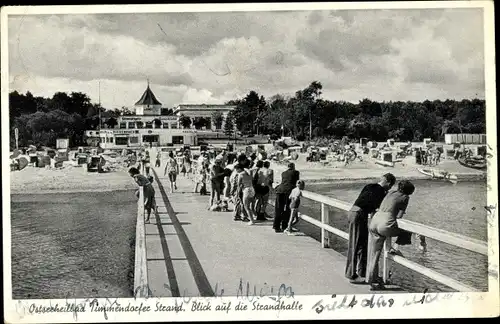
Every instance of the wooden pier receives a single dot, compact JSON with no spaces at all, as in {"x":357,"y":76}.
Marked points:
{"x":189,"y":251}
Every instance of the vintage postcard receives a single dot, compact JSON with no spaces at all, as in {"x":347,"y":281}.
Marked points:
{"x":230,"y":162}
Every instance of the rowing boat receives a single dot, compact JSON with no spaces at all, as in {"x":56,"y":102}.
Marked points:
{"x":438,"y":174}
{"x":479,"y":164}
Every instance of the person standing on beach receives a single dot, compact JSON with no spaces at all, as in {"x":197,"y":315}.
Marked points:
{"x":289,"y":180}
{"x":148,"y":190}
{"x":367,"y":202}
{"x":172,"y":169}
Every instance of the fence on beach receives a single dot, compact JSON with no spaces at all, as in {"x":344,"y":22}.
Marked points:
{"x":450,"y":238}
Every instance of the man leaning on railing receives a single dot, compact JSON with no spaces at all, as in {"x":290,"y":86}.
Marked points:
{"x":367,"y":203}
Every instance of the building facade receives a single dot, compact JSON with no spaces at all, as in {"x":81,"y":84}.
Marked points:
{"x":149,"y":127}
{"x":204,"y":111}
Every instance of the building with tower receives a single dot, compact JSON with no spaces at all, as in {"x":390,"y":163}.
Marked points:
{"x":148,"y":127}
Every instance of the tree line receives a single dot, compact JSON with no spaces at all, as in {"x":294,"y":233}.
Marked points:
{"x":40,"y":121}
{"x":306,"y":115}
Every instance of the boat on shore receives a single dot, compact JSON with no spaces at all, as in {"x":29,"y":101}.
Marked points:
{"x":384,"y":163}
{"x":474,"y":163}
{"x":438,"y":174}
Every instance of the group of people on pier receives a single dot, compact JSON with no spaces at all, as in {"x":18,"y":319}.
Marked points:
{"x":247,"y":182}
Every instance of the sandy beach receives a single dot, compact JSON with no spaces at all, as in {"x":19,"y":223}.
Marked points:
{"x":69,"y":179}
{"x":367,"y":170}
{"x":76,"y":179}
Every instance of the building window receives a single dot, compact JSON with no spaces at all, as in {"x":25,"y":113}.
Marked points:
{"x":173,"y":126}
{"x":140,"y":124}
{"x":111,"y":139}
{"x":165,"y":125}
{"x":150,"y":138}
{"x":123,"y":125}
{"x":177,"y":139}
{"x":134,"y":140}
{"x":131,"y":125}
{"x":121,"y":140}
{"x":149,"y":124}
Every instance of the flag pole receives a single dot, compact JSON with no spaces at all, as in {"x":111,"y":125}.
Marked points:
{"x":99,"y":105}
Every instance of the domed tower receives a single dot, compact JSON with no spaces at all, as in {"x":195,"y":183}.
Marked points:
{"x":148,"y":104}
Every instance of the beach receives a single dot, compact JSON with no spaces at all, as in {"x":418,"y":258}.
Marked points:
{"x":368,"y":170}
{"x":68,"y":179}
{"x":77,"y":179}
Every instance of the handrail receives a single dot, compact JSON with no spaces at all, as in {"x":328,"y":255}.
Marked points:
{"x":464,"y":242}
{"x":410,"y":226}
{"x":141,"y":288}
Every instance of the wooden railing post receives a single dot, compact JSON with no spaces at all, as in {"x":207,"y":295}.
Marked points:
{"x":385,"y":259}
{"x":325,"y":220}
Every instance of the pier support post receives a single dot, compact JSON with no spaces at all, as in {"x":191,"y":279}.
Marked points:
{"x":385,"y":259}
{"x":141,"y":288}
{"x":325,"y":219}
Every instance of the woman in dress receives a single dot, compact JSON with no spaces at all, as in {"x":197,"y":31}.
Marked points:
{"x":383,"y":225}
{"x":149,"y":191}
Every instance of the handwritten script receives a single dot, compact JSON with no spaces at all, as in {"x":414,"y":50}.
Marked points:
{"x":246,"y":302}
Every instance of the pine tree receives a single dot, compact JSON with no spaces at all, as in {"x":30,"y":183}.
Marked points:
{"x":229,"y":125}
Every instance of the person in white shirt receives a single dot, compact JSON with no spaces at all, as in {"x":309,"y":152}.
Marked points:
{"x":294,"y":205}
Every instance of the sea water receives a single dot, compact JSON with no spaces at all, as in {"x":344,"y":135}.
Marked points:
{"x":456,"y":208}
{"x":73,"y":244}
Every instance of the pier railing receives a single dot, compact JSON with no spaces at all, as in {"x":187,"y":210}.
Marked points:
{"x":427,"y":231}
{"x":141,"y":288}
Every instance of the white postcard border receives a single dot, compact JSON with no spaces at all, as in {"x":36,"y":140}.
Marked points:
{"x":420,"y":305}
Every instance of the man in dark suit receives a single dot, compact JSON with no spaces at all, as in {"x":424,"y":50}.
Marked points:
{"x":289,"y":180}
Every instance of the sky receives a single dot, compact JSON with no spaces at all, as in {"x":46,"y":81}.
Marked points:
{"x":382,"y":55}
